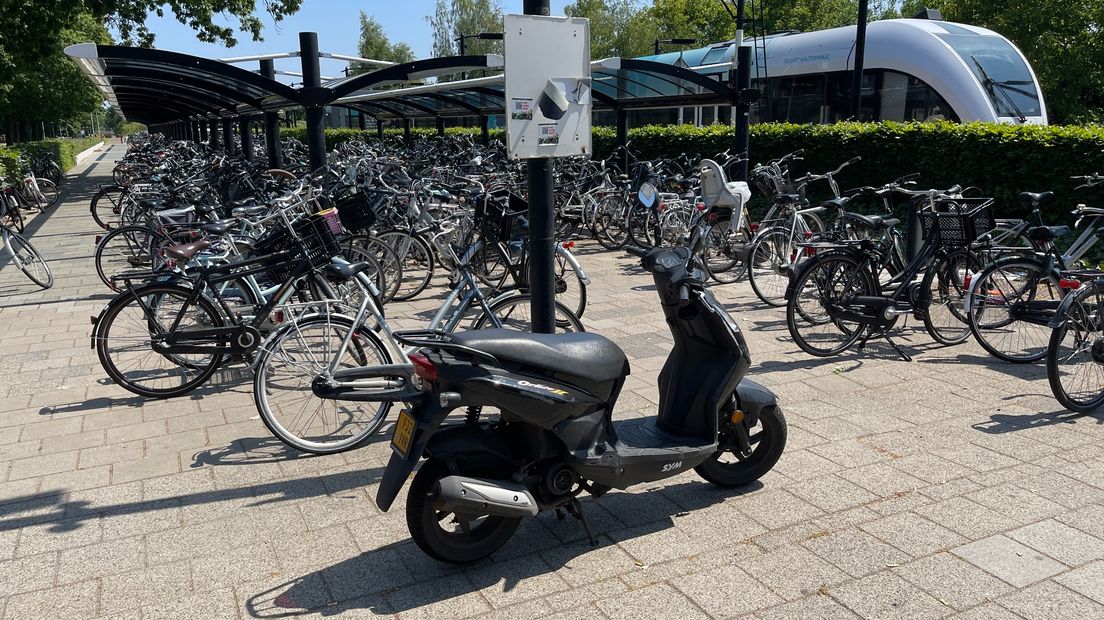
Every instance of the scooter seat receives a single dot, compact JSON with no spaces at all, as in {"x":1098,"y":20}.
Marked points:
{"x":582,"y":355}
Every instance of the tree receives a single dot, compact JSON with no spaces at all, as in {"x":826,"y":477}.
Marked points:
{"x":374,"y":44}
{"x":452,"y":18}
{"x":618,"y":28}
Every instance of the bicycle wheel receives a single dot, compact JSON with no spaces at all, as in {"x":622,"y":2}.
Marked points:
{"x":47,"y":195}
{"x":641,"y":221}
{"x":126,"y":331}
{"x":1075,"y":355}
{"x":287,"y":365}
{"x":490,"y":266}
{"x":513,"y":312}
{"x":726,"y":252}
{"x":1000,"y":291}
{"x":821,"y":291}
{"x":26,"y":257}
{"x":771,"y":256}
{"x":387,"y":272}
{"x":129,"y":249}
{"x":610,"y":223}
{"x":945,"y":313}
{"x":570,"y":290}
{"x":107,"y":206}
{"x":415,"y":261}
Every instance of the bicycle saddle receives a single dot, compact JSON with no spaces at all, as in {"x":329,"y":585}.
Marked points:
{"x":876,"y":222}
{"x":218,"y":227}
{"x":346,"y":270}
{"x":582,"y":355}
{"x":1033,"y":199}
{"x":1045,"y":234}
{"x":185,"y":251}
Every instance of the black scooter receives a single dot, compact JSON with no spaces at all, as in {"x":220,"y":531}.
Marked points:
{"x":555,"y":437}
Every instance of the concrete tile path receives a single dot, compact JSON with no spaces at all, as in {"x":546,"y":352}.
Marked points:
{"x":950,"y":487}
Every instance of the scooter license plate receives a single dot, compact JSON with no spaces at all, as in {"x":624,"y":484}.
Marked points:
{"x":404,"y":433}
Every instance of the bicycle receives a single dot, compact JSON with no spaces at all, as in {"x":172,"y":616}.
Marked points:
{"x":20,"y":250}
{"x":837,"y":297}
{"x":310,"y":373}
{"x":1012,"y":300}
{"x":1075,"y":350}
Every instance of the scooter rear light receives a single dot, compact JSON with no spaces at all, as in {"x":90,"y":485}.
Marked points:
{"x":424,"y":368}
{"x":1069,"y":284}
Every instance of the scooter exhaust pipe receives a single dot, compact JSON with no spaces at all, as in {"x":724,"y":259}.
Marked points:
{"x":486,"y":497}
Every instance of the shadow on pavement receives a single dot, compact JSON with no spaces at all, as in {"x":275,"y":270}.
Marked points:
{"x":379,"y":582}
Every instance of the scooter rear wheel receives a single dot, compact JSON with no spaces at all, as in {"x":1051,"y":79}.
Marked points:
{"x":447,"y":536}
{"x":729,"y":468}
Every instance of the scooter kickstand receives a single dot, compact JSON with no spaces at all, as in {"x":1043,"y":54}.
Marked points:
{"x":575,"y":509}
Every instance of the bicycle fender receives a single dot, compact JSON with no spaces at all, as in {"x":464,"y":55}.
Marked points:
{"x":1060,"y":314}
{"x":807,"y":265}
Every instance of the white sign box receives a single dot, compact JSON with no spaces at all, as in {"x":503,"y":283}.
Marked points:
{"x":547,"y":86}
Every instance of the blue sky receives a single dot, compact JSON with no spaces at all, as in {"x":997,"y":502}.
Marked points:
{"x":336,"y":22}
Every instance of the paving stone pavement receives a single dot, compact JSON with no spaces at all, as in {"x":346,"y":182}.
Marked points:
{"x":950,"y":487}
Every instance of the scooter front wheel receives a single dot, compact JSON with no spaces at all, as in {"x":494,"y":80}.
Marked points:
{"x":731,"y":467}
{"x":448,"y":536}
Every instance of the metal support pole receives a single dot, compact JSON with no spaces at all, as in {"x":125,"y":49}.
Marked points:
{"x":213,"y":133}
{"x":440,"y":126}
{"x":362,"y":120}
{"x":406,"y":129}
{"x":542,"y":282}
{"x":245,"y":130}
{"x":312,"y":79}
{"x":484,"y":130}
{"x":860,"y":57}
{"x":623,"y":140}
{"x":228,"y":144}
{"x":272,"y":123}
{"x":379,"y":129}
{"x":741,"y":109}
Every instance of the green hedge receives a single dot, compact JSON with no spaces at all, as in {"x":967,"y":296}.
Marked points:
{"x":62,"y":150}
{"x":335,"y":136}
{"x":1002,"y":160}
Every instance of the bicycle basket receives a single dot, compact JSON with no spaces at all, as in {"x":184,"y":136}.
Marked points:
{"x":356,"y":212}
{"x":499,"y":215}
{"x":957,"y":222}
{"x":316,"y":243}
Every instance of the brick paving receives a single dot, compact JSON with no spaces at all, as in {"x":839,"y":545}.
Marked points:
{"x":953,"y":486}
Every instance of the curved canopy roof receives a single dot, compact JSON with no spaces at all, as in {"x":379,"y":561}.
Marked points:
{"x":616,"y":84}
{"x":156,"y":86}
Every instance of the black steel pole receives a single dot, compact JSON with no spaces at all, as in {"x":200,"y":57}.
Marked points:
{"x":213,"y":133}
{"x":312,"y":78}
{"x":228,"y":144}
{"x":542,"y":283}
{"x":407,"y":128}
{"x":245,"y":130}
{"x":742,"y":110}
{"x":860,"y":57}
{"x":484,"y":130}
{"x":362,"y":121}
{"x":379,"y":129}
{"x":440,"y":126}
{"x":272,"y":123}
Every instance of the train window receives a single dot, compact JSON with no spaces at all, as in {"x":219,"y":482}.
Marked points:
{"x":1001,"y":71}
{"x":798,"y":99}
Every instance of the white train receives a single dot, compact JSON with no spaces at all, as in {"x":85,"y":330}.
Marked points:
{"x":914,"y":70}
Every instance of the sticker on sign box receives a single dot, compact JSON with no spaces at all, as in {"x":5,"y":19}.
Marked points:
{"x":549,"y":134}
{"x":521,"y":110}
